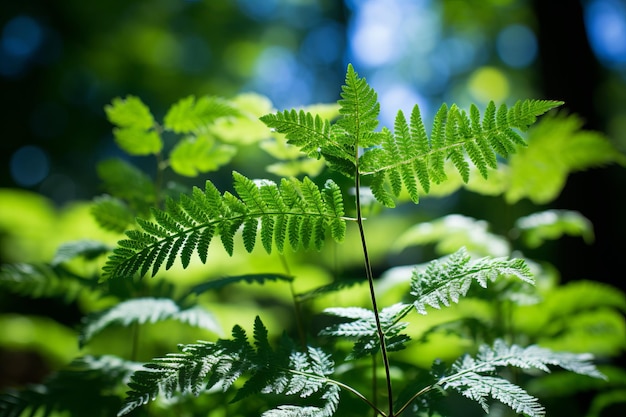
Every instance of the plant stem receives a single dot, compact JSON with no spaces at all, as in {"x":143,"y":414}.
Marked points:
{"x":296,"y":304}
{"x":370,"y":280}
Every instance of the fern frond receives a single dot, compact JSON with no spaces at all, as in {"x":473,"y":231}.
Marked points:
{"x":408,"y":157}
{"x":112,"y":213}
{"x":206,"y":364}
{"x":43,"y":280}
{"x":145,"y":310}
{"x":314,"y":136}
{"x":95,"y":378}
{"x":359,"y":109}
{"x":249,"y":279}
{"x":191,"y":115}
{"x":298,"y":211}
{"x":441,"y":283}
{"x":362,"y":327}
{"x":473,"y":378}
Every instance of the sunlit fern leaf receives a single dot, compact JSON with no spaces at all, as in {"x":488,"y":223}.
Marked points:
{"x":445,"y":282}
{"x":307,"y":131}
{"x":57,"y":394}
{"x":145,"y":310}
{"x":298,"y":211}
{"x":191,"y":115}
{"x":268,"y":370}
{"x":407,"y":157}
{"x":362,"y":328}
{"x":473,"y":377}
{"x":337,"y":143}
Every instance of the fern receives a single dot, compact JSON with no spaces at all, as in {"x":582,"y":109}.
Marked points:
{"x":297,"y":212}
{"x":363,"y":328}
{"x":408,"y":157}
{"x":204,"y":365}
{"x":145,"y":310}
{"x":444,"y":282}
{"x":473,"y":377}
{"x":44,"y":281}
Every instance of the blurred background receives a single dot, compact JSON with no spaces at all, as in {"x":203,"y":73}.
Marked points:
{"x":62,"y":62}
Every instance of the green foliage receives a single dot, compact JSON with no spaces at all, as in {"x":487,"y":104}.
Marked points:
{"x":105,"y":376}
{"x":504,"y":322}
{"x":200,"y":366}
{"x":146,"y":310}
{"x":297,"y":212}
{"x":473,"y":378}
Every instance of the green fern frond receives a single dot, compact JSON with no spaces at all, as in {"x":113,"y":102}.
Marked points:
{"x":43,"y":280}
{"x":328,"y":289}
{"x":191,"y":115}
{"x":408,"y":157}
{"x":473,"y":378}
{"x":443,"y":282}
{"x":145,"y":310}
{"x":249,"y":279}
{"x":112,"y":213}
{"x":362,"y":327}
{"x":297,"y":211}
{"x":85,"y":248}
{"x":95,"y":378}
{"x":339,"y":142}
{"x":204,"y":365}
{"x":359,"y":109}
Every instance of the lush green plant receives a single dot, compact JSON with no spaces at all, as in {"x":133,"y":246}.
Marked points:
{"x":368,"y":350}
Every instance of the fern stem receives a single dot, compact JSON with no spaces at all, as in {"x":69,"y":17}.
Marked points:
{"x":413,"y":398}
{"x":370,"y":279}
{"x":296,"y":304}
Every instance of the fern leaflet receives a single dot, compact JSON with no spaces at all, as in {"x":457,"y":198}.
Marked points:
{"x":442,"y":282}
{"x":473,"y":378}
{"x":207,"y":364}
{"x":296,"y":211}
{"x":362,"y":327}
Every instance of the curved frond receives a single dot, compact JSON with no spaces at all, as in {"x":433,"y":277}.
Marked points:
{"x":146,"y":310}
{"x":473,"y":378}
{"x":248,"y":279}
{"x":297,"y":211}
{"x":204,"y":365}
{"x":441,"y":283}
{"x":408,"y":158}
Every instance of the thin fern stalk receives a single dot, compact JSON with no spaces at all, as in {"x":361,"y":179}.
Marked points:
{"x":296,"y":303}
{"x":413,"y":398}
{"x":370,"y":279}
{"x":377,"y":411}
